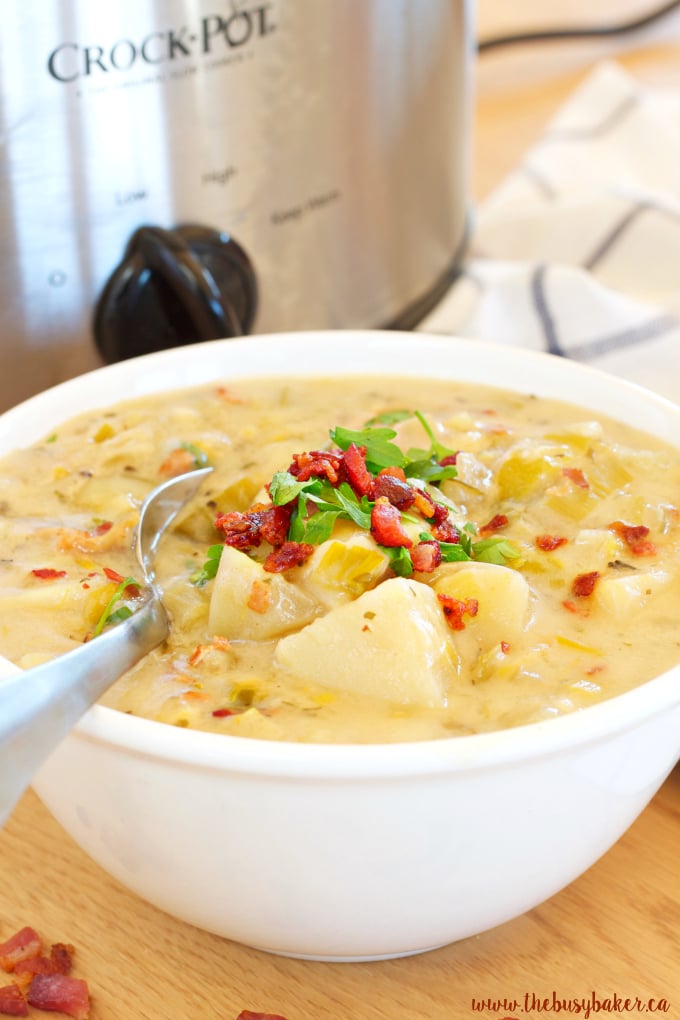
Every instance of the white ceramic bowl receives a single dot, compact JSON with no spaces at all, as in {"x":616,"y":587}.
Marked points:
{"x":356,"y":852}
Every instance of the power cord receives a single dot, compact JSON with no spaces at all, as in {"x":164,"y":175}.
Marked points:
{"x":577,"y":31}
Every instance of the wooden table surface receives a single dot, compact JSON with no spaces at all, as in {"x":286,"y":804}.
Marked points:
{"x":614,"y":932}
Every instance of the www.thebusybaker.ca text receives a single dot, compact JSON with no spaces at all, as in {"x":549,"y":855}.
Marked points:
{"x":582,"y":1006}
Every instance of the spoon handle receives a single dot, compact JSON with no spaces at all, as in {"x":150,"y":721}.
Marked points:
{"x":38,"y":707}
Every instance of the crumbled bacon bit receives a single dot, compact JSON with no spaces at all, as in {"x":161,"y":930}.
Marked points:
{"x":635,"y":537}
{"x":102,"y":538}
{"x":443,"y":529}
{"x":424,"y":504}
{"x":60,"y":993}
{"x":36,"y":965}
{"x":224,"y":394}
{"x":194,"y":695}
{"x":12,"y":1001}
{"x":177,"y":462}
{"x":260,"y":597}
{"x":241,"y":530}
{"x":290,"y":554}
{"x":197,"y":655}
{"x":497,"y":523}
{"x":393,"y":472}
{"x":222,"y":644}
{"x":398,"y":493}
{"x":440,"y":514}
{"x":386,"y":526}
{"x":548,"y":543}
{"x":355,"y":470}
{"x":48,"y":573}
{"x":275,"y":524}
{"x":576,"y":476}
{"x":61,"y":955}
{"x":248,"y":530}
{"x":583,"y":585}
{"x":317,"y":464}
{"x":426,"y":557}
{"x":23,"y":945}
{"x":456,"y":609}
{"x":247,"y":1014}
{"x":505,"y":647}
{"x":45,"y":977}
{"x":132,"y":591}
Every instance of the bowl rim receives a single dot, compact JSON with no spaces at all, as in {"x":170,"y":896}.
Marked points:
{"x":226,"y":753}
{"x":309,"y":353}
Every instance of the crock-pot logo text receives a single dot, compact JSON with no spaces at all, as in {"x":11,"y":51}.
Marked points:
{"x":239,"y":25}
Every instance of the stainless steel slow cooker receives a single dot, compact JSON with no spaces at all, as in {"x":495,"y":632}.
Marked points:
{"x":175,"y":170}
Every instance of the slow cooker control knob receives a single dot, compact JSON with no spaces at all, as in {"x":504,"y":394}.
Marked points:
{"x":175,"y":287}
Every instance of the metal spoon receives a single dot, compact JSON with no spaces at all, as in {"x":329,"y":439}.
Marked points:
{"x":39,"y":706}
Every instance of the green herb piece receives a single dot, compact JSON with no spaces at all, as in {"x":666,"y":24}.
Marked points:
{"x":209,"y":568}
{"x":437,"y":449}
{"x":120,"y":614}
{"x":495,"y":550}
{"x":429,"y":470}
{"x":318,"y":528}
{"x":380,"y":451}
{"x":285,"y":487}
{"x":389,"y":418}
{"x":342,"y":501}
{"x":111,"y":615}
{"x":199,"y":455}
{"x":358,"y":510}
{"x":453,"y":552}
{"x":400,"y":560}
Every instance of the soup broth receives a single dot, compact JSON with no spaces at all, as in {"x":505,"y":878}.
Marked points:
{"x":370,"y":560}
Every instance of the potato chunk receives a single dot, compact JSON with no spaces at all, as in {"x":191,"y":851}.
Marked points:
{"x":625,"y":595}
{"x":503,"y":598}
{"x":392,"y":643}
{"x":249,"y":603}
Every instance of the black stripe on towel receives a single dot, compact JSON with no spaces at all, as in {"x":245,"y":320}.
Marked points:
{"x":617,"y":231}
{"x":540,"y":303}
{"x":650,"y":330}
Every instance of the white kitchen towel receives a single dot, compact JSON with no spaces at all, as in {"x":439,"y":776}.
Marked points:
{"x":578,"y":251}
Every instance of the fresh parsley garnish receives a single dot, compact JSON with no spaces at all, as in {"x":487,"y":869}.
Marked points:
{"x":381,"y":452}
{"x":285,"y":487}
{"x":316,"y":504}
{"x":209,"y":568}
{"x":495,"y":550}
{"x":112,"y":615}
{"x":200,"y":456}
{"x":400,"y":560}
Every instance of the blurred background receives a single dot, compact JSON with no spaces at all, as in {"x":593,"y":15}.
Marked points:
{"x":173,"y":171}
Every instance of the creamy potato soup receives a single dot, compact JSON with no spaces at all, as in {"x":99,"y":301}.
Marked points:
{"x":370,"y":560}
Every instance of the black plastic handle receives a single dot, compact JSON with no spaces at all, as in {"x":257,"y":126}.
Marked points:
{"x":175,"y":287}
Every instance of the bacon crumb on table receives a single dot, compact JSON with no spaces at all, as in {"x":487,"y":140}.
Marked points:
{"x":39,"y":980}
{"x":23,"y":945}
{"x":60,"y":993}
{"x":247,"y":1014}
{"x":12,"y":1001}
